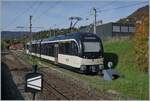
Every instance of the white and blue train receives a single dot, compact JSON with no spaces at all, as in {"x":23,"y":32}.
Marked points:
{"x":81,"y":51}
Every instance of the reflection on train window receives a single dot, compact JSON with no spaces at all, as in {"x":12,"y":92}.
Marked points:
{"x":68,"y":48}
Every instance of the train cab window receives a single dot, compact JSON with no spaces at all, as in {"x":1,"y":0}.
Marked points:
{"x":91,"y":46}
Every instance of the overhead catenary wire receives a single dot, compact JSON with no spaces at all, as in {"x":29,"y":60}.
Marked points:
{"x":45,"y":11}
{"x":125,"y":6}
{"x":37,"y":7}
{"x":107,"y":4}
{"x":51,"y":7}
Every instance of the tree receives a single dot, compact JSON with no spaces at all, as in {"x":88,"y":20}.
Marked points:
{"x":141,"y":44}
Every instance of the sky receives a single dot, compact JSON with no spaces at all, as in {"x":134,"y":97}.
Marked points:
{"x":47,"y":14}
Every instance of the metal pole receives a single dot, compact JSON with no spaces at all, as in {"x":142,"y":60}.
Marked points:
{"x":50,"y":33}
{"x":31,"y":25}
{"x":54,"y":32}
{"x":31,"y":35}
{"x":95,"y":20}
{"x":30,"y":31}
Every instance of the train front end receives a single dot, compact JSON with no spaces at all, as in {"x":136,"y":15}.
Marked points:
{"x":92,"y":54}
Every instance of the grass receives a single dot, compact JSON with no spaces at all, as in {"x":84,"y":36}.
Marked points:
{"x":133,"y":85}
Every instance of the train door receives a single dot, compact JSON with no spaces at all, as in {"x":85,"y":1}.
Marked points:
{"x":56,"y":52}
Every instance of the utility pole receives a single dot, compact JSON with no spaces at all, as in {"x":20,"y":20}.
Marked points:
{"x":30,"y":37}
{"x":30,"y":27}
{"x":34,"y":65}
{"x":95,"y":15}
{"x":50,"y":32}
{"x":54,"y":30}
{"x":33,"y":59}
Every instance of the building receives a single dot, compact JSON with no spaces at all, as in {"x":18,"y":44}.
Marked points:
{"x":111,"y":29}
{"x":17,"y":46}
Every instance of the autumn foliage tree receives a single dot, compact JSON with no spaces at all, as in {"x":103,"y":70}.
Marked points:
{"x":140,"y":40}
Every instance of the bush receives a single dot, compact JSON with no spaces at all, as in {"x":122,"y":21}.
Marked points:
{"x":140,"y":40}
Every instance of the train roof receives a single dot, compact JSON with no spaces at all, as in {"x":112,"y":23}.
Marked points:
{"x":75,"y":36}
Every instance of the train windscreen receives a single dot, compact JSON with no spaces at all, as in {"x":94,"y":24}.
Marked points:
{"x":91,"y":46}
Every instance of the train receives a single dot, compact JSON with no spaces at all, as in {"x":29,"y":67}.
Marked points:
{"x":80,"y":51}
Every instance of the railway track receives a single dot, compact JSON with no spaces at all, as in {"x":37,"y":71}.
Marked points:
{"x":68,"y":90}
{"x":57,"y":93}
{"x":56,"y":85}
{"x":49,"y":89}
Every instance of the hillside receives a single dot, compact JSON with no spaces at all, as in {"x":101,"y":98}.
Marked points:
{"x":13,"y":34}
{"x":138,"y":15}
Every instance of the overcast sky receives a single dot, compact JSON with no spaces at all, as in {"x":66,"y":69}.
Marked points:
{"x":55,"y":14}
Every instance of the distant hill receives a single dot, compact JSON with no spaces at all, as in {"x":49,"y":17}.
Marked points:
{"x":138,"y":15}
{"x":13,"y":34}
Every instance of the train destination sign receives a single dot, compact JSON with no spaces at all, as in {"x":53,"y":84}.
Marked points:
{"x":34,"y":82}
{"x":89,"y":38}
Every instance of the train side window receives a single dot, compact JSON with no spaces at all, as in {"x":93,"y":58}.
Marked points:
{"x":46,"y":45}
{"x":74,"y":49}
{"x":68,"y":48}
{"x":32,"y":48}
{"x":35,"y":48}
{"x":38,"y":48}
{"x":50,"y":49}
{"x":42,"y":48}
{"x":45,"y":49}
{"x":61,"y":48}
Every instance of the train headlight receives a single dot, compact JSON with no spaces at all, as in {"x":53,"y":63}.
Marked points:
{"x":110,"y":64}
